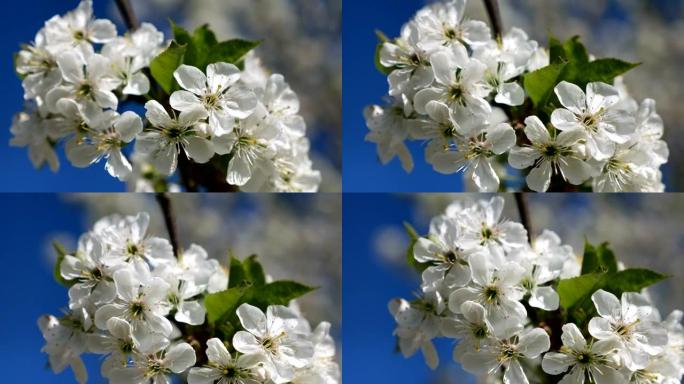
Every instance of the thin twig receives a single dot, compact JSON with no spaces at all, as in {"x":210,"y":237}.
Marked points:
{"x":524,"y":212}
{"x":167,"y":210}
{"x":127,"y":14}
{"x":494,"y":16}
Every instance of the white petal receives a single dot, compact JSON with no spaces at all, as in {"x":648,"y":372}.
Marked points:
{"x":539,"y":177}
{"x":128,"y":125}
{"x":534,"y":342}
{"x":556,"y":363}
{"x":191,"y":78}
{"x":81,"y":155}
{"x":574,"y":170}
{"x":184,"y":101}
{"x":444,"y":67}
{"x":106,"y":312}
{"x":239,"y":170}
{"x":572,"y":337}
{"x":119,"y":328}
{"x":601,"y":328}
{"x":514,"y":374}
{"x":460,"y":296}
{"x":571,"y":96}
{"x":245,"y":342}
{"x":502,"y":137}
{"x":545,"y":298}
{"x":71,"y":65}
{"x":239,"y":102}
{"x":510,"y":94}
{"x":430,"y":355}
{"x":607,"y":375}
{"x":102,"y":31}
{"x":180,"y":357}
{"x":252,"y":319}
{"x":423,"y":97}
{"x":601,"y":95}
{"x":217,"y":352}
{"x":473,"y":312}
{"x":221,"y":76}
{"x":607,"y":305}
{"x":204,"y":375}
{"x":536,"y":131}
{"x":118,"y":166}
{"x":484,"y":176}
{"x":191,"y":312}
{"x":565,"y":120}
{"x":522,"y":157}
{"x":198,"y":149}
{"x":137,"y":84}
{"x":157,"y":115}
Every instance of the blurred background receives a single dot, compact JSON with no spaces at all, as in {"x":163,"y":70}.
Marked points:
{"x":296,"y":238}
{"x":643,"y":230}
{"x":301,"y":40}
{"x":636,"y":30}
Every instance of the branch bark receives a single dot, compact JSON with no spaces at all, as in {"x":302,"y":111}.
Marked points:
{"x":127,"y":14}
{"x":169,"y":220}
{"x":494,"y":16}
{"x":524,"y":212}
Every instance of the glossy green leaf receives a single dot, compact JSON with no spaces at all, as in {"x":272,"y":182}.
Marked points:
{"x":163,"y":66}
{"x":540,"y":83}
{"x":598,"y":259}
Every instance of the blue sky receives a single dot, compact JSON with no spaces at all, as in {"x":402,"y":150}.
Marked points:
{"x":364,"y":85}
{"x":28,"y":286}
{"x":369,"y":284}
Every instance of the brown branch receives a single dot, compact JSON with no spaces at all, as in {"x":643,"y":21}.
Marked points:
{"x":167,"y":210}
{"x":524,"y":212}
{"x":127,"y":14}
{"x":495,"y":17}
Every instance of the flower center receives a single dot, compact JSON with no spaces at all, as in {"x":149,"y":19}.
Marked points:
{"x":79,"y":35}
{"x":137,"y":310}
{"x":85,"y":89}
{"x":480,"y":332}
{"x":491,"y":293}
{"x":211,"y":101}
{"x":126,"y":346}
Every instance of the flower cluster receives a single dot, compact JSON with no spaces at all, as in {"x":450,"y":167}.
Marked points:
{"x":78,"y":73}
{"x":485,"y":285}
{"x":466,"y":95}
{"x":133,"y":302}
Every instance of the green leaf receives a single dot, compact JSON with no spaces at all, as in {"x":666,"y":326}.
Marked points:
{"x":571,"y":291}
{"x":163,"y":66}
{"x":540,"y":83}
{"x":276,"y":293}
{"x":231,"y":51}
{"x":631,"y":280}
{"x":572,"y":50}
{"x":603,"y":70}
{"x":221,"y":304}
{"x":180,"y":34}
{"x":203,"y":48}
{"x":575,"y":294}
{"x":245,"y":273}
{"x":598,"y":259}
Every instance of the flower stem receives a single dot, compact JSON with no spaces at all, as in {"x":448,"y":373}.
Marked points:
{"x":167,"y":210}
{"x":523,"y":211}
{"x":495,"y":17}
{"x":127,"y":14}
